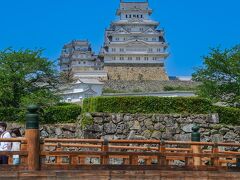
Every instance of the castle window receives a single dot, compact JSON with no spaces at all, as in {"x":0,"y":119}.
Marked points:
{"x":79,"y":62}
{"x":137,"y":16}
{"x":145,"y":58}
{"x":154,"y":58}
{"x":158,"y":50}
{"x":138,"y":58}
{"x":141,"y":29}
{"x":113,"y":58}
{"x":121,"y":58}
{"x":126,"y":16}
{"x":121,"y":50}
{"x":154,"y":39}
{"x":141,"y":16}
{"x":113,"y":49}
{"x":129,"y":58}
{"x":150,"y":50}
{"x":130,"y":16}
{"x":134,"y":15}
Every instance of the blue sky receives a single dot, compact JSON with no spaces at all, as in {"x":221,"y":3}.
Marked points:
{"x":191,"y":26}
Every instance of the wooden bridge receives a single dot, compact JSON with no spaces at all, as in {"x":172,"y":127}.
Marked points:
{"x":118,"y":159}
{"x":102,"y":159}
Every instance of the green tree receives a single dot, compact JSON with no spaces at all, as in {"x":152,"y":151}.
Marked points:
{"x":220,"y":75}
{"x":25,"y":77}
{"x":67,"y":77}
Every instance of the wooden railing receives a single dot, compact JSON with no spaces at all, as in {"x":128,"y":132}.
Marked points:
{"x":74,"y":153}
{"x":103,"y":154}
{"x":23,"y":154}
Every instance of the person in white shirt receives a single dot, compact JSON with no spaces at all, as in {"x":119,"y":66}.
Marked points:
{"x":4,"y":146}
{"x":15,"y":133}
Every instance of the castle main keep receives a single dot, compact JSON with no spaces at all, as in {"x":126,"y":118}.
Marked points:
{"x":134,"y":48}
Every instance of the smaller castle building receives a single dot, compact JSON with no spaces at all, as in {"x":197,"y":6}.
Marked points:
{"x":77,"y":56}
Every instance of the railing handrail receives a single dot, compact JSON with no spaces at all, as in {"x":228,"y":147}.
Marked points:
{"x":22,"y":139}
{"x":56,"y":140}
{"x":73,"y":140}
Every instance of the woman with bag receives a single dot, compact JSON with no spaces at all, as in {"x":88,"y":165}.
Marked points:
{"x":4,"y":146}
{"x":15,"y":133}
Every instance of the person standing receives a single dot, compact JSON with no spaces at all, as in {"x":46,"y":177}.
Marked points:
{"x":4,"y":146}
{"x":15,"y":133}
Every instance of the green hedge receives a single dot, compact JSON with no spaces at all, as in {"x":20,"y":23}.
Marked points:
{"x":228,"y":115}
{"x":9,"y":114}
{"x":165,"y":105}
{"x":62,"y":113}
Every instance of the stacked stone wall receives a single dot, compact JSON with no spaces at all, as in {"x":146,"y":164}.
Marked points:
{"x":142,"y":126}
{"x":132,"y":73}
{"x":147,"y":86}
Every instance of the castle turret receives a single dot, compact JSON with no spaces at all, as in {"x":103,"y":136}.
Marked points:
{"x":77,"y":56}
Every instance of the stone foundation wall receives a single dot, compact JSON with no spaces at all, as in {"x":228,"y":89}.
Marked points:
{"x":77,"y":69}
{"x":146,"y":86}
{"x":137,"y":126}
{"x":158,"y":126}
{"x":128,"y":73}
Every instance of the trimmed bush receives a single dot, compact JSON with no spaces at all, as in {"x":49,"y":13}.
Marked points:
{"x":87,"y":120}
{"x":179,"y":88}
{"x":165,"y":105}
{"x":9,"y":114}
{"x":61,"y":114}
{"x":228,"y":115}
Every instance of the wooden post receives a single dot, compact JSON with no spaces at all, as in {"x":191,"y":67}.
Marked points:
{"x":196,"y":149}
{"x":58,"y":158}
{"x":133,"y":160}
{"x":105,"y":158}
{"x":23,"y":160}
{"x":82,"y":160}
{"x":215,"y":159}
{"x":32,"y":136}
{"x":162,"y":157}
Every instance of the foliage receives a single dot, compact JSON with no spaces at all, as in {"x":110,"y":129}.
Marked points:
{"x":220,"y":75}
{"x":59,"y":114}
{"x":9,"y":114}
{"x":49,"y":115}
{"x":228,"y":115}
{"x":43,"y":98}
{"x":86,"y":120}
{"x":179,"y":88}
{"x":67,"y":77}
{"x":165,"y":105}
{"x":26,"y":76}
{"x":109,"y":90}
{"x":137,"y":90}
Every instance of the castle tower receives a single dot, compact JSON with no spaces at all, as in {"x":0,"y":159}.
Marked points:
{"x":77,"y":56}
{"x":134,"y":47}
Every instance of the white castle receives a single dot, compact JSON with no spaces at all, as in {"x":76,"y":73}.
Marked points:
{"x":134,"y":48}
{"x":77,"y":56}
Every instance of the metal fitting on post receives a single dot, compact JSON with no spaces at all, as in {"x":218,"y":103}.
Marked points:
{"x":195,"y":136}
{"x":32,"y":117}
